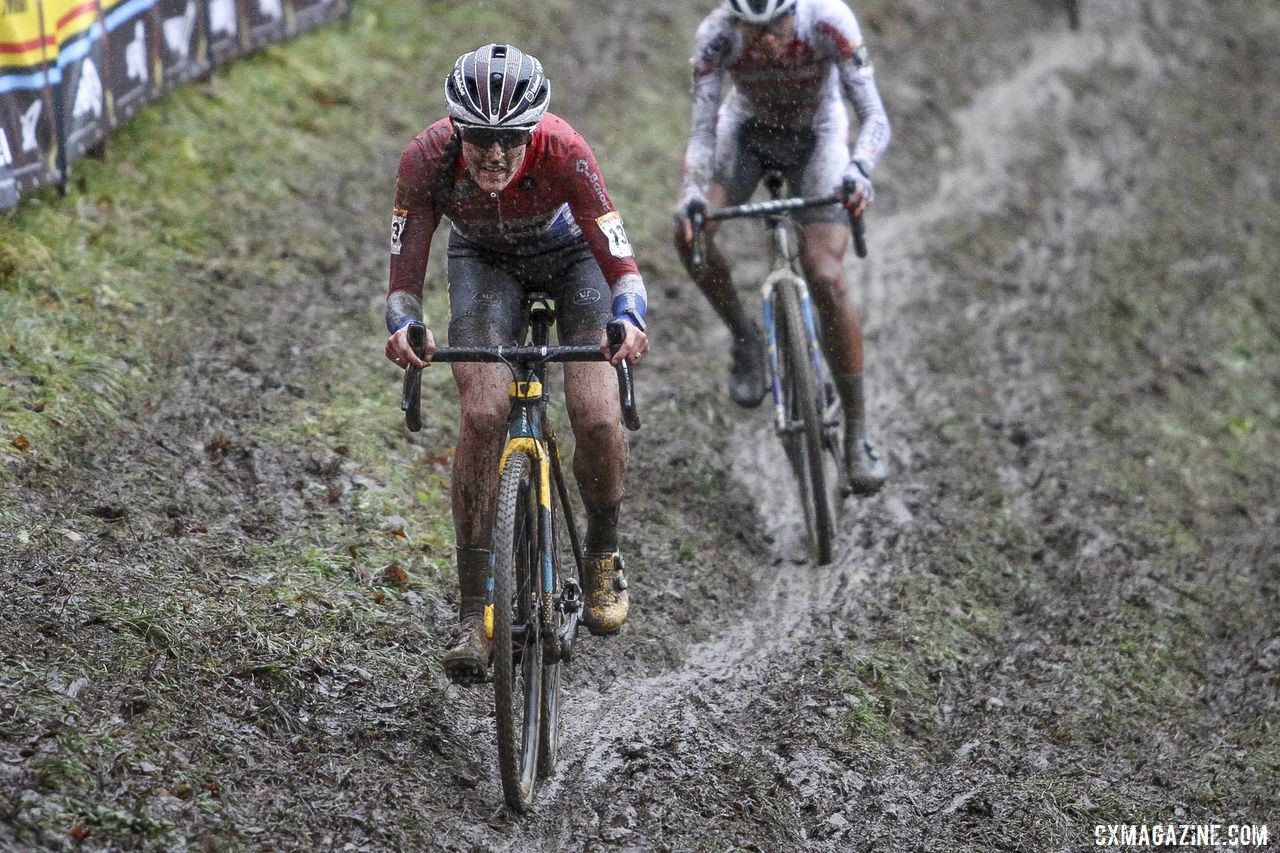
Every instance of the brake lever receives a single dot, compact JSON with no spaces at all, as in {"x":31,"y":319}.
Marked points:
{"x":856,"y":223}
{"x":698,"y":222}
{"x":626,"y":385}
{"x":859,"y":225}
{"x":411,"y":393}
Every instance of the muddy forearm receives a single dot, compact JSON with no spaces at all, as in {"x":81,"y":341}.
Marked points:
{"x":630,"y":300}
{"x":402,"y":308}
{"x":700,"y":153}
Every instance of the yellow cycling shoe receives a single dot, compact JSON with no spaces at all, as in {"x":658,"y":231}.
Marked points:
{"x":605,"y":588}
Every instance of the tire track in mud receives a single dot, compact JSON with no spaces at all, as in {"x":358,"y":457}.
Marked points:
{"x":708,"y":700}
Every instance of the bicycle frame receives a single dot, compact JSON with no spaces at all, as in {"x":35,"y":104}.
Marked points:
{"x":805,"y":415}
{"x":529,"y":431}
{"x":784,"y":265}
{"x":531,"y":614}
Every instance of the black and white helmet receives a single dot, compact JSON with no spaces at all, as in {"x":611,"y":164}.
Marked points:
{"x":759,"y":11}
{"x":497,"y":86}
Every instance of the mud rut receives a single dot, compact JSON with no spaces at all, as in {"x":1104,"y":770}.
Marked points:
{"x":697,"y":711}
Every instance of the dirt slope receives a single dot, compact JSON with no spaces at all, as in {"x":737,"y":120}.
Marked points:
{"x":1059,"y":614}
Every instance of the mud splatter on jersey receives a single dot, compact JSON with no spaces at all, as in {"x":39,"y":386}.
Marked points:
{"x":557,"y":198}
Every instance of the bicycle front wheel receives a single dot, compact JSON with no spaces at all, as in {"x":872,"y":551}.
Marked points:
{"x":517,"y":652}
{"x":802,"y":434}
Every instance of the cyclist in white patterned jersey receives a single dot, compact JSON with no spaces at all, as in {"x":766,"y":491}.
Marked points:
{"x":790,"y":61}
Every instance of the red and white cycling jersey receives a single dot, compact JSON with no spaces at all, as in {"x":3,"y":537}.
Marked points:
{"x":802,"y":88}
{"x":556,"y":199}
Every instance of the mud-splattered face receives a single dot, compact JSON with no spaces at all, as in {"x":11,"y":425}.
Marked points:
{"x":770,"y":39}
{"x":492,"y":167}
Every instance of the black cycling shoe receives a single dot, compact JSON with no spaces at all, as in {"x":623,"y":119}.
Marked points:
{"x":467,"y":660}
{"x":867,"y":471}
{"x":746,"y":375}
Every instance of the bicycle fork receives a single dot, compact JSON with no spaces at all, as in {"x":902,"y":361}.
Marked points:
{"x":781,"y":422}
{"x":567,"y":599}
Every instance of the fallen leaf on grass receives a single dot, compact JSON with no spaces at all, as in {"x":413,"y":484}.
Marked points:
{"x":20,"y":442}
{"x":217,"y":447}
{"x":397,"y":526}
{"x":392,"y":575}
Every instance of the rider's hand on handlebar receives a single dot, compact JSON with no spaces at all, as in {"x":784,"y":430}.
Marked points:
{"x":399,"y":350}
{"x":855,"y":191}
{"x":633,"y":348}
{"x":694,"y":201}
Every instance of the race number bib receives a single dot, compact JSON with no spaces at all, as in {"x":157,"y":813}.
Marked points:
{"x":397,"y":229}
{"x":611,"y":225}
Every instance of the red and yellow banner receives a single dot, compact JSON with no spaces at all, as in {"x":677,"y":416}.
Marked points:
{"x":70,"y":70}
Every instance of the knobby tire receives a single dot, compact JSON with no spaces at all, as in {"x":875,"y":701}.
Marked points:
{"x":517,"y":673}
{"x":549,"y":736}
{"x":804,"y":409}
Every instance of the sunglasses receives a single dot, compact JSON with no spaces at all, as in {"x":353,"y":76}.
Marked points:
{"x":484,"y":137}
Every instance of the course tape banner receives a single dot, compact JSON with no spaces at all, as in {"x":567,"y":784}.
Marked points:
{"x":28,"y":146}
{"x":71,"y":70}
{"x":183,"y":50}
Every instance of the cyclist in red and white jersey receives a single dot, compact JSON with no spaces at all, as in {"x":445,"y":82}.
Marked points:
{"x":528,"y":211}
{"x":792,"y":63}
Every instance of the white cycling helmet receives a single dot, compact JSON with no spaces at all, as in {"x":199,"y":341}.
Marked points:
{"x":497,"y":86}
{"x":759,"y":11}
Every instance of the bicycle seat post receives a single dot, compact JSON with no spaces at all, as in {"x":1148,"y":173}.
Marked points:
{"x":541,"y":318}
{"x":773,"y":183}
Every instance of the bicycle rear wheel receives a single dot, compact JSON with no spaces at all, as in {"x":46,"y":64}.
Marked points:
{"x":549,"y":745}
{"x":804,"y":406}
{"x":517,"y":650}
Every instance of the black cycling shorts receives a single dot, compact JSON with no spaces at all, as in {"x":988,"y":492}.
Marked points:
{"x":487,"y":291}
{"x":812,"y":162}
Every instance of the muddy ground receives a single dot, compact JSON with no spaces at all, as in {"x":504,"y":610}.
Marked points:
{"x":1060,"y":613}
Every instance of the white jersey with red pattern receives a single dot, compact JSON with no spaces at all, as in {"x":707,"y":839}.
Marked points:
{"x":803,"y":88}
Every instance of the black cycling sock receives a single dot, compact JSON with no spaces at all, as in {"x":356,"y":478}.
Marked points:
{"x":473,"y":577}
{"x":853,"y":403}
{"x":602,"y":532}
